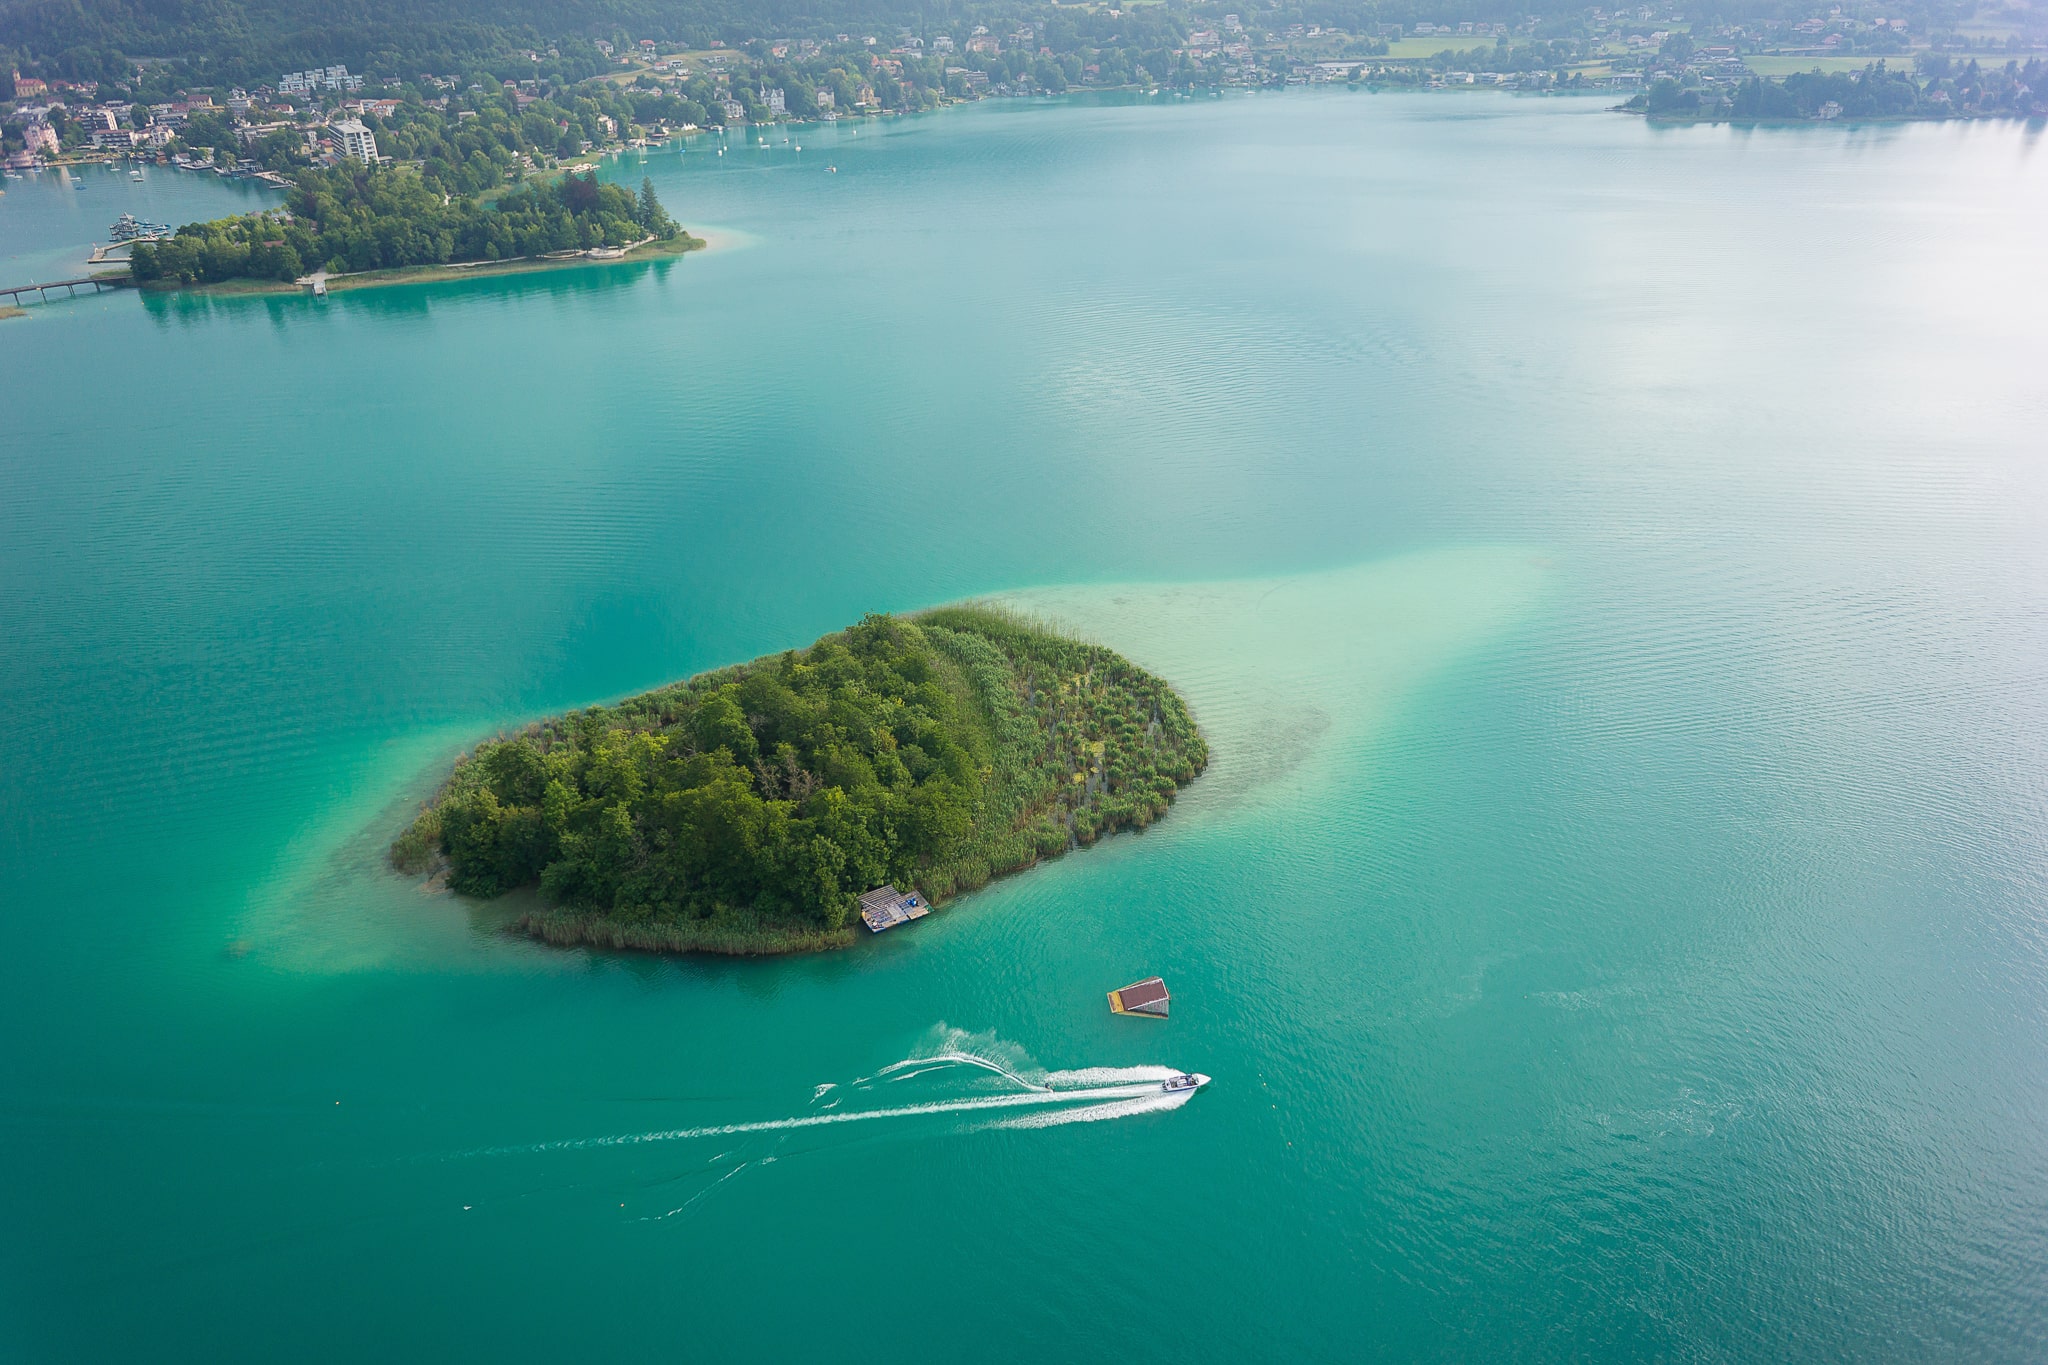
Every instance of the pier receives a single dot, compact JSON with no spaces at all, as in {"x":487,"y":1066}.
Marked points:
{"x":104,"y":255}
{"x":42,"y":291}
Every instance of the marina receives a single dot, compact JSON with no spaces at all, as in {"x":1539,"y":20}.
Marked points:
{"x":129,"y":228}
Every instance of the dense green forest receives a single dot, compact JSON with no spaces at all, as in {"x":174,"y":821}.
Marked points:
{"x":746,"y":809}
{"x":246,"y":41}
{"x":250,"y":40}
{"x":356,"y":218}
{"x":229,"y":44}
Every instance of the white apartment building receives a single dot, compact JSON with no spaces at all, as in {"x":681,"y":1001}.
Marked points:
{"x":317,"y":78}
{"x":352,"y":139}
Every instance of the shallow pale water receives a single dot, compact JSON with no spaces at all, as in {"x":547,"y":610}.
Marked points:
{"x":1609,"y":562}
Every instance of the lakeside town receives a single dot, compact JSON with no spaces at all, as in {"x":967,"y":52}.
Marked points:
{"x":646,"y":89}
{"x":65,"y":122}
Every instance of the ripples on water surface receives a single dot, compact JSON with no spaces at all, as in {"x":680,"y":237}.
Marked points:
{"x":1608,"y":560}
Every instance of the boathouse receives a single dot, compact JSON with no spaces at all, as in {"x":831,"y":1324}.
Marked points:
{"x":1147,"y":997}
{"x":885,"y":907}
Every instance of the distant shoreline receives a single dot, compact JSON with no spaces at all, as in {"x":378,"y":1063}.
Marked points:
{"x":420,"y":274}
{"x":1785,"y":121}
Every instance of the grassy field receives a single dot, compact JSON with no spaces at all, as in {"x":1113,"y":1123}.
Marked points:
{"x":722,"y":935}
{"x":695,"y":57}
{"x":1415,"y":49}
{"x":1786,"y":66}
{"x":1980,"y":29}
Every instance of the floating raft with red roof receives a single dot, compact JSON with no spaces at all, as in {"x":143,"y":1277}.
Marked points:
{"x":1147,"y":997}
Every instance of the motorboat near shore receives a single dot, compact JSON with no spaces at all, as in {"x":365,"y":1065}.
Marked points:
{"x":1187,"y":1080}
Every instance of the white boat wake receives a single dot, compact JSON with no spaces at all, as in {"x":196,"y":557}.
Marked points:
{"x":1040,"y":1099}
{"x":1152,"y":1102}
{"x":1137,"y":1090}
{"x":911,"y":1067}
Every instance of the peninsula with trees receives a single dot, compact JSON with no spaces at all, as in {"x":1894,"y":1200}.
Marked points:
{"x":416,"y":190}
{"x":389,"y":223}
{"x":747,"y":809}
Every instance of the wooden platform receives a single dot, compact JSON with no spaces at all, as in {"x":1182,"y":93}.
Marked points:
{"x":885,"y":907}
{"x":1147,"y":998}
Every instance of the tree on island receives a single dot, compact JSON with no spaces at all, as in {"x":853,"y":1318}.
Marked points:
{"x":652,"y":215}
{"x":746,"y":809}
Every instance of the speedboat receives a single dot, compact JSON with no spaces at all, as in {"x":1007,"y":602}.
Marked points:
{"x":1187,"y":1080}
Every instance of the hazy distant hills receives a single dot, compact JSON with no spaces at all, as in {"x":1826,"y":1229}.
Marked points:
{"x":250,"y":40}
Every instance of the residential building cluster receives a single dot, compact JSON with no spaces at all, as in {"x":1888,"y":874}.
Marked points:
{"x":317,"y":79}
{"x":58,"y":118}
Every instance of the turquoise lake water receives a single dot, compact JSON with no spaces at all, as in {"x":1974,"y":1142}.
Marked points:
{"x":1611,"y":564}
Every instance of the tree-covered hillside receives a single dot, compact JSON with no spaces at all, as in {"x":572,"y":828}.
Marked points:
{"x":746,"y":809}
{"x":250,"y":40}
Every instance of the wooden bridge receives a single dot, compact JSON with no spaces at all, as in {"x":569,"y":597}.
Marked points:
{"x":42,"y":291}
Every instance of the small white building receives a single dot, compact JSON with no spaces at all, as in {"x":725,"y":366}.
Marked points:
{"x":775,"y":100}
{"x":352,"y":139}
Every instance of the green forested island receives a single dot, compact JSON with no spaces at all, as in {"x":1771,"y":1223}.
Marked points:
{"x":355,"y":218}
{"x":746,"y":809}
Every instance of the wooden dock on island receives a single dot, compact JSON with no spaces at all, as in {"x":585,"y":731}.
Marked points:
{"x":885,"y":907}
